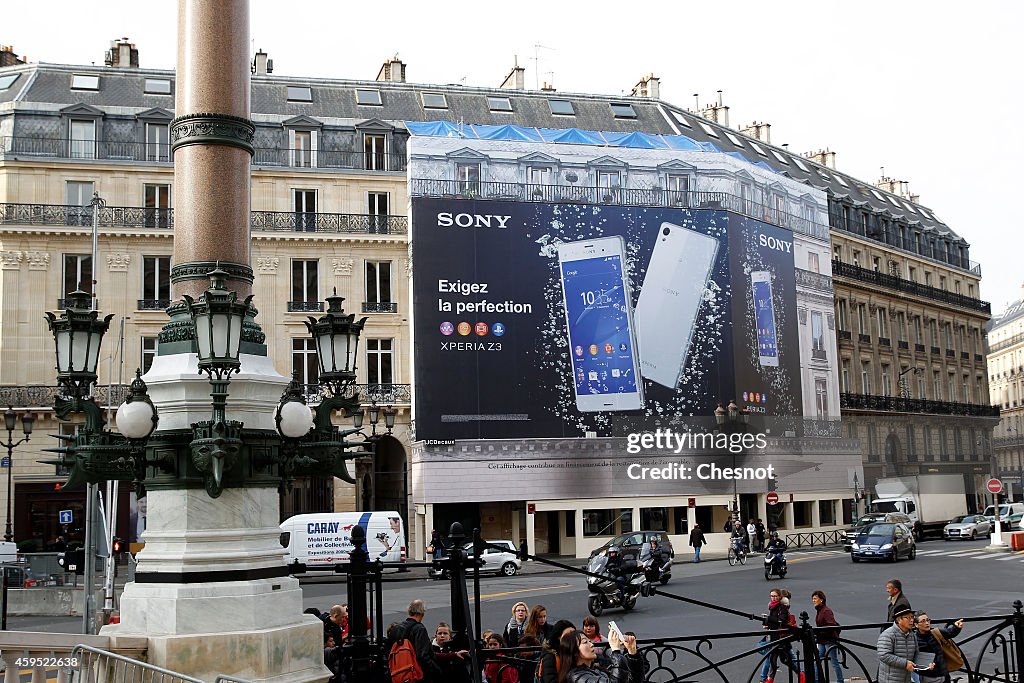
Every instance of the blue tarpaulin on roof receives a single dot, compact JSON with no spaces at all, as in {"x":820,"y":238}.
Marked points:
{"x":507,"y":132}
{"x":634,"y":140}
{"x":572,"y":136}
{"x":443,"y":129}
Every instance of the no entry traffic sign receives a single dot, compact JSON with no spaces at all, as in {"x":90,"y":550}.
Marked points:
{"x":772,"y":498}
{"x":994,"y":486}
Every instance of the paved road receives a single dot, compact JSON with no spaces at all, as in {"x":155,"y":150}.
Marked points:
{"x":947,"y":579}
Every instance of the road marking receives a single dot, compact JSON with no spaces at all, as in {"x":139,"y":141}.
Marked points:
{"x":523,"y":590}
{"x":1004,"y":559}
{"x":967,"y":553}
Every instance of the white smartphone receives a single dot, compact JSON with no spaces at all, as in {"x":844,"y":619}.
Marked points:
{"x":612,"y":626}
{"x":599,"y":315}
{"x":673,"y":289}
{"x":764,"y":318}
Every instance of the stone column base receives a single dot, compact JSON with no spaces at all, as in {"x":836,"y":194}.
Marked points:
{"x":286,"y":654}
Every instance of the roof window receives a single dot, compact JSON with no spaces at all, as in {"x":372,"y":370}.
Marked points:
{"x":300,"y":93}
{"x":368,"y":97}
{"x":7,"y":81}
{"x":157,"y":86}
{"x":562,"y":107}
{"x":732,"y":138}
{"x":499,"y":104}
{"x":758,"y":148}
{"x":708,"y":129}
{"x":80,"y":82}
{"x":623,"y":110}
{"x":434,"y":100}
{"x":780,"y":157}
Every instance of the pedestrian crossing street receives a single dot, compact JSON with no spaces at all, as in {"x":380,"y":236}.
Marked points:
{"x":973,"y":552}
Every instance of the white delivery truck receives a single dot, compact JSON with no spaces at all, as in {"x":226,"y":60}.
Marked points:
{"x":930,"y":500}
{"x":323,"y":541}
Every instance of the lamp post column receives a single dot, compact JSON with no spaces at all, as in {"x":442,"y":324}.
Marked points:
{"x":10,"y":418}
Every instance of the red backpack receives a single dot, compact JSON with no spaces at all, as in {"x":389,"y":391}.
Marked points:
{"x":402,"y":662}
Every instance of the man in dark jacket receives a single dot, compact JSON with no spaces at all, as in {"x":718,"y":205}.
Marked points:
{"x":897,"y":600}
{"x":697,"y":540}
{"x":897,"y":649}
{"x":334,"y":624}
{"x":414,"y":630}
{"x":927,"y":642}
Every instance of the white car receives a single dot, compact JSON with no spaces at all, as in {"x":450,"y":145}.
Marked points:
{"x":505,"y":562}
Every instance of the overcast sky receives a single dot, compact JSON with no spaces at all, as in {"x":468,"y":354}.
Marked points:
{"x":931,"y":91}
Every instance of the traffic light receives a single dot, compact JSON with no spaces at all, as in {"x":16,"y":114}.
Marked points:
{"x":73,"y":561}
{"x":773,"y":483}
{"x":118,"y":544}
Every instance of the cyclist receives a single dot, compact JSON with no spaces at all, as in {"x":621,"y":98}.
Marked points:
{"x":738,"y":539}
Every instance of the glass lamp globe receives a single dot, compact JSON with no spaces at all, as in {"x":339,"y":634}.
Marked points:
{"x":295,"y":419}
{"x":135,"y":419}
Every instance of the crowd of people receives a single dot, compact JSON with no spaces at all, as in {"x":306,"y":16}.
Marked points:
{"x":910,"y":649}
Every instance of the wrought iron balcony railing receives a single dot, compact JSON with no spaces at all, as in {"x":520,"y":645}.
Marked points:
{"x":259,"y":221}
{"x":580,"y":194}
{"x":42,"y":396}
{"x":380,"y":307}
{"x":808,"y":278}
{"x":898,"y":284}
{"x":110,"y":150}
{"x":895,"y":404}
{"x":153,"y":304}
{"x":305,"y":306}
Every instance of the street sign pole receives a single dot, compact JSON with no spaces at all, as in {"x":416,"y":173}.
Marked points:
{"x":994,"y":487}
{"x":89,"y":611}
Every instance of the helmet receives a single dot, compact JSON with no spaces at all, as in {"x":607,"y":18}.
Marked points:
{"x":613,"y":550}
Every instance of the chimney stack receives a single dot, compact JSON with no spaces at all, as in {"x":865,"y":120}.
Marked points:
{"x":649,"y":86}
{"x":547,"y":87}
{"x":122,"y":54}
{"x":7,"y":56}
{"x":516,"y":79}
{"x":900,"y":188}
{"x":392,"y":71}
{"x":719,"y":113}
{"x":759,"y":131}
{"x":824,"y":157}
{"x":261,"y":65}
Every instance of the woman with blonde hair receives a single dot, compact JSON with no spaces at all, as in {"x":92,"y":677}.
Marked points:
{"x":516,"y":625}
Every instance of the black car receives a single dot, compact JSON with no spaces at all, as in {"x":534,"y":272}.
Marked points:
{"x":631,"y":543}
{"x":884,"y":542}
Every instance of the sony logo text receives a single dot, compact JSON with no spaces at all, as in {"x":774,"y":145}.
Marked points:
{"x":471,"y":220}
{"x":775,"y":243}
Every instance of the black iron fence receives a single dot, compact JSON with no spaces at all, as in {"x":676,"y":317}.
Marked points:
{"x":581,"y":194}
{"x":992,"y":645}
{"x":814,"y":538}
{"x":898,"y":284}
{"x":163,"y":219}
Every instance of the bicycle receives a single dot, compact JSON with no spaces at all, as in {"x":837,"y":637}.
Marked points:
{"x":737,"y":553}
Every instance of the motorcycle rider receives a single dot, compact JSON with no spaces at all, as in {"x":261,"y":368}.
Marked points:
{"x":657,"y":559}
{"x":776,"y":546}
{"x":621,"y":568}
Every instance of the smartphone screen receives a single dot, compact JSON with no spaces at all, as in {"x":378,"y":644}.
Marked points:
{"x":764,"y":318}
{"x":599,"y":317}
{"x":670,"y":299}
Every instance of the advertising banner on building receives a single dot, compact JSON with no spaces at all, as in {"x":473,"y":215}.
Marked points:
{"x":573,"y":305}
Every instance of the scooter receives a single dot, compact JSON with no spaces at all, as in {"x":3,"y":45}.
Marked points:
{"x":660,"y":572}
{"x":604,"y":592}
{"x":774,"y":564}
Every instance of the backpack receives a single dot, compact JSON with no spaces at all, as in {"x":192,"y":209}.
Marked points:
{"x":402,"y":662}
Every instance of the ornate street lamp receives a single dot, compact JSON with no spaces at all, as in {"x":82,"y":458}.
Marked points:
{"x":136,"y":419}
{"x":217,"y":316}
{"x":77,"y":333}
{"x":336,"y":335}
{"x":10,"y":420}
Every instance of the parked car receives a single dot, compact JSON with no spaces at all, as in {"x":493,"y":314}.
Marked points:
{"x":1010,"y":515}
{"x":19,"y":576}
{"x":874,"y":518}
{"x":505,"y":562}
{"x":967,"y":526}
{"x":631,"y":543}
{"x":884,"y":542}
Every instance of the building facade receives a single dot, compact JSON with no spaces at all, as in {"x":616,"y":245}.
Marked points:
{"x":1006,"y":373}
{"x":899,"y":351}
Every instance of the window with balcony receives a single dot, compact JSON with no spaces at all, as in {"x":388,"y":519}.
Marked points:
{"x":304,"y":203}
{"x":377,"y":211}
{"x":77,"y":273}
{"x":936,"y":386}
{"x":156,"y":283}
{"x":304,"y":360}
{"x":302,"y":148}
{"x":157,"y":142}
{"x":678,"y":185}
{"x":147,"y":353}
{"x":886,"y":380}
{"x":468,"y":178}
{"x":865,"y":377}
{"x":538,"y":175}
{"x":845,"y":376}
{"x":378,"y":288}
{"x":818,"y":335}
{"x":157,"y":200}
{"x":77,"y":200}
{"x":951,"y":381}
{"x":305,"y":286}
{"x":83,"y":138}
{"x":380,"y":361}
{"x":375,"y":152}
{"x":821,"y":398}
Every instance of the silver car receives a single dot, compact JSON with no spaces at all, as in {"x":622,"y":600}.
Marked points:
{"x":967,"y":526}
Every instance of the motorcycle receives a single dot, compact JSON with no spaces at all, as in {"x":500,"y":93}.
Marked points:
{"x":656,"y":572}
{"x":604,"y":592}
{"x":774,"y":564}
